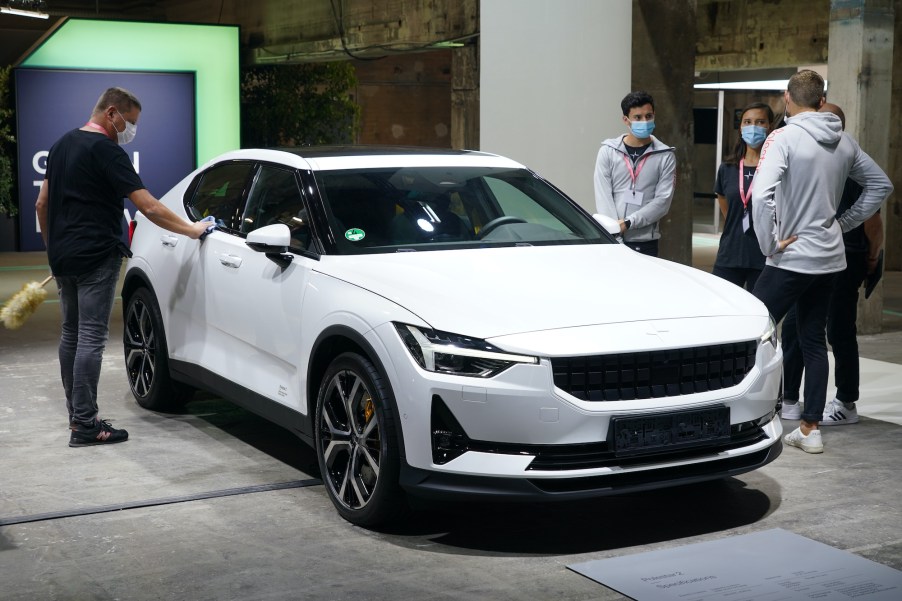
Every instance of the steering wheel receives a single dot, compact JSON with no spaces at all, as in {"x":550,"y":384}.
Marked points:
{"x":494,"y":224}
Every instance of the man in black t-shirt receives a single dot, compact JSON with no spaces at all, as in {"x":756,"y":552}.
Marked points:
{"x":80,"y":212}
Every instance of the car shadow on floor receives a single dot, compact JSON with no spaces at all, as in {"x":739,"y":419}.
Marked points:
{"x":251,"y":429}
{"x":605,"y":523}
{"x":554,"y":528}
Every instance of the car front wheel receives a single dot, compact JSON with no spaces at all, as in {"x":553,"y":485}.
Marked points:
{"x":146,"y":357}
{"x":356,"y":443}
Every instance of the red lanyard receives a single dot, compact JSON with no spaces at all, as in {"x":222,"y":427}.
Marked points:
{"x":742,"y":195}
{"x":97,"y":127}
{"x":634,"y":175}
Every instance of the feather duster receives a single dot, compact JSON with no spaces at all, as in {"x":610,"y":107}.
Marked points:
{"x":25,"y":302}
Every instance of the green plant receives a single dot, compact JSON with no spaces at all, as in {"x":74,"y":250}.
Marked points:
{"x":8,"y":204}
{"x":298,"y":105}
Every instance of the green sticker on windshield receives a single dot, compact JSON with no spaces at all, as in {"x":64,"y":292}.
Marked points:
{"x":355,"y":235}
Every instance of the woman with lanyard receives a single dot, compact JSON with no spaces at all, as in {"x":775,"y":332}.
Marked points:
{"x":739,"y":259}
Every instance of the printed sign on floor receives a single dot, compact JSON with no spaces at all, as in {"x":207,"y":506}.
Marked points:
{"x":775,"y":565}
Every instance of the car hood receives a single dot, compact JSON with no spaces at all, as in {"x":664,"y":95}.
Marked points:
{"x":492,"y":292}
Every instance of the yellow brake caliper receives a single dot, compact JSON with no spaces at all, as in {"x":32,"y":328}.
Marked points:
{"x":368,"y":409}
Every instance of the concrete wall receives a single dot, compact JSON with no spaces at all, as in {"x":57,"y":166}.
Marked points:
{"x":552,"y":75}
{"x":729,"y":35}
{"x":406,"y":100}
{"x":760,"y":34}
{"x":892,"y":213}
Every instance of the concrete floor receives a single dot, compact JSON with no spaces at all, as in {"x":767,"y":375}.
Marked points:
{"x":215,"y":503}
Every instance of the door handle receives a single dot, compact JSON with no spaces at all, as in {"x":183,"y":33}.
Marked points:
{"x":230,"y":260}
{"x":169,"y":240}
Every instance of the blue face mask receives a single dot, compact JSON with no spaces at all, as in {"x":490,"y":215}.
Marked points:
{"x":642,"y":129}
{"x":754,"y":135}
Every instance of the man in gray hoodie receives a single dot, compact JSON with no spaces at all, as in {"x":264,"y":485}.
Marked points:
{"x":798,"y":185}
{"x":634,"y":176}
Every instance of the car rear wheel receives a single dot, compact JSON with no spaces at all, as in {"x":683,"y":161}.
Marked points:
{"x":356,"y":442}
{"x":146,"y":355}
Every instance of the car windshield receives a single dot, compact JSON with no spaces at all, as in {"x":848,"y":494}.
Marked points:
{"x":437,"y":208}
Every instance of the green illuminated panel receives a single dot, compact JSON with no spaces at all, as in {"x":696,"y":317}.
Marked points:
{"x":211,"y":51}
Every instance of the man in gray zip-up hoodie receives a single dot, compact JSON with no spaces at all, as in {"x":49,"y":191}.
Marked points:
{"x":798,"y":185}
{"x":634,"y":176}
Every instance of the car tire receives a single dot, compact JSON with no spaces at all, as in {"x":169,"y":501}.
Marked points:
{"x":147,"y":356}
{"x":356,"y":442}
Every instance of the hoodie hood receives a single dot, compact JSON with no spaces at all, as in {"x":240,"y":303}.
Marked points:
{"x":825,"y":128}
{"x":618,"y":145}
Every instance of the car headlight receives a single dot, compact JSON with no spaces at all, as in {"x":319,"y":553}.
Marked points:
{"x":770,"y":334}
{"x":445,"y":353}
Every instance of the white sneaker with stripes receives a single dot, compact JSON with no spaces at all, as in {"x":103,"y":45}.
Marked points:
{"x":836,"y":414}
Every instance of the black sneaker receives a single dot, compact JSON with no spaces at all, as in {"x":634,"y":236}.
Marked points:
{"x":101,"y":433}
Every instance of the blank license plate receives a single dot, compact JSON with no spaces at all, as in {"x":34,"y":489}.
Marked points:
{"x":669,"y":431}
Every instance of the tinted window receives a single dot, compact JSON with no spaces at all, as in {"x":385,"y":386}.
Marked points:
{"x":276,"y":198}
{"x":220,"y":193}
{"x":431,"y":208}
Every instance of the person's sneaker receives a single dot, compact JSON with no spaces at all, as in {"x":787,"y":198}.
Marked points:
{"x":810,"y":444}
{"x":836,"y":414}
{"x":101,"y":433}
{"x":791,"y":410}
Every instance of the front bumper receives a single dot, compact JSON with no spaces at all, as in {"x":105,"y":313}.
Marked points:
{"x":521,"y":430}
{"x":436,"y":485}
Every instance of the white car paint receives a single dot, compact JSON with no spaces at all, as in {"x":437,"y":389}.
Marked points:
{"x":240,"y":315}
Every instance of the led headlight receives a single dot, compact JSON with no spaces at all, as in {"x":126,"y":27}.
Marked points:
{"x":457,"y":355}
{"x":770,"y":334}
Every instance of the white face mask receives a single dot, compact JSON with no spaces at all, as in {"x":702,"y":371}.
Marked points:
{"x":128,"y":134}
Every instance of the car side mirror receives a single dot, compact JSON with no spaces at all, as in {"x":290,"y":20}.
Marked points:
{"x":272,"y":240}
{"x":610,"y":225}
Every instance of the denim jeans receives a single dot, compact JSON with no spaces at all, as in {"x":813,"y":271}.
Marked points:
{"x":86,"y":302}
{"x":842,"y":334}
{"x":779,"y":290}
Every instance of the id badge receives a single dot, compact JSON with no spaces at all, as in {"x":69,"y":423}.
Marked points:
{"x":634,"y":199}
{"x":746,"y":220}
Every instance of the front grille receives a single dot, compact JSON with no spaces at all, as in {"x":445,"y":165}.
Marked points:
{"x":654,"y":374}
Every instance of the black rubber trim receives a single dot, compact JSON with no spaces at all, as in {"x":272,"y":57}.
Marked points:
{"x":228,"y":492}
{"x":446,"y":486}
{"x":270,"y":410}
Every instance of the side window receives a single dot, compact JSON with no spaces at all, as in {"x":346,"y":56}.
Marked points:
{"x":276,"y":198}
{"x":219,"y":193}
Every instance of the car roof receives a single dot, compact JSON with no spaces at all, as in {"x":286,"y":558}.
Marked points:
{"x":328,"y":158}
{"x":360,"y":150}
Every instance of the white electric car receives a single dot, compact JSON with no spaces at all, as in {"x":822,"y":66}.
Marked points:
{"x":446,"y":324}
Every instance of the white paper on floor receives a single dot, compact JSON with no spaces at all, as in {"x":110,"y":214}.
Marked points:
{"x":776,"y":565}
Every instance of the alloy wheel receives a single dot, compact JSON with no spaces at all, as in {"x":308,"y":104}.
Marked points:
{"x":351,"y":439}
{"x":140,"y":348}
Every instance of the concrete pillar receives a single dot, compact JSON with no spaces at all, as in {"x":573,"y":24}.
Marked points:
{"x":892,"y":214}
{"x":860,"y":68}
{"x":663,"y":56}
{"x":465,"y":97}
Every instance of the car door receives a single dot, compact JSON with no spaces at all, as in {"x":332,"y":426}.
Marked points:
{"x":252,"y":303}
{"x":218,"y":192}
